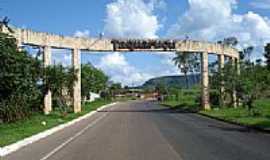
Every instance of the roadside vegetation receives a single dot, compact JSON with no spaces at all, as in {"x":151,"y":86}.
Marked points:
{"x":252,"y":88}
{"x":260,"y":118}
{"x":183,"y":99}
{"x":24,"y":82}
{"x":38,"y":122}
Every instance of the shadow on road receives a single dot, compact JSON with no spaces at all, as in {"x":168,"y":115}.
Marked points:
{"x":165,"y":110}
{"x":234,"y":128}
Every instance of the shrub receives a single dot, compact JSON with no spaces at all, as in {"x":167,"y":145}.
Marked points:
{"x":214,"y":98}
{"x":60,"y":82}
{"x":20,"y":75}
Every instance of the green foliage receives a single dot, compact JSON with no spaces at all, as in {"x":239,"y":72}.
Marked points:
{"x":60,"y":82}
{"x":253,"y":83}
{"x":187,"y":63}
{"x":115,"y":88}
{"x":242,"y":115}
{"x":24,"y":82}
{"x":183,"y":99}
{"x":20,"y":75}
{"x":12,"y":132}
{"x":267,"y":55}
{"x":93,"y":80}
{"x":214,"y":98}
{"x":161,"y":88}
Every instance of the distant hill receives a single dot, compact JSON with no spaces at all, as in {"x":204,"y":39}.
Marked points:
{"x":172,"y":81}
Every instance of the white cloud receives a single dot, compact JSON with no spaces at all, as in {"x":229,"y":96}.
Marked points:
{"x":261,"y":4}
{"x":214,"y":20}
{"x":117,"y":67}
{"x":83,"y":34}
{"x":61,"y":56}
{"x":133,"y":19}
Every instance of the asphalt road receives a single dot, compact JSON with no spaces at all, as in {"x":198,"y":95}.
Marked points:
{"x":146,"y":131}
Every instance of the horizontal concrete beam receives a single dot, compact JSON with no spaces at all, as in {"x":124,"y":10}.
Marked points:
{"x":29,"y":37}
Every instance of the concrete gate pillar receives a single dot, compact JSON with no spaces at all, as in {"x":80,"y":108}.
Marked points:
{"x":234,"y":97}
{"x":48,"y":97}
{"x":238,"y":70}
{"x":205,"y":82}
{"x":222,"y":89}
{"x":76,"y":61}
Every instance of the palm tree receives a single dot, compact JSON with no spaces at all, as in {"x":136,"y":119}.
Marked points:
{"x":4,"y":24}
{"x":185,"y":62}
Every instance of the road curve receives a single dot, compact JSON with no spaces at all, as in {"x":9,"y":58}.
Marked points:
{"x":139,"y":130}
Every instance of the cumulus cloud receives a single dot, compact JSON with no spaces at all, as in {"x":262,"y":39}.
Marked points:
{"x":118,"y":68}
{"x":215,"y":20}
{"x":82,"y":34}
{"x":133,"y":19}
{"x":261,"y":4}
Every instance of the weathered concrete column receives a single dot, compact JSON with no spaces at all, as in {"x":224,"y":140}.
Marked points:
{"x":234,"y":97}
{"x":238,"y":66}
{"x":205,"y":82}
{"x":47,"y":55}
{"x":76,"y":61}
{"x":238,"y":70}
{"x":221,"y":62}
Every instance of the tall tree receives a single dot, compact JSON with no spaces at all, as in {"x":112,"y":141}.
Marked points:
{"x":4,"y":24}
{"x":186,"y":62}
{"x":267,"y":55}
{"x":93,"y":80}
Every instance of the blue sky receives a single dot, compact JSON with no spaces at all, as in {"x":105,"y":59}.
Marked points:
{"x":199,"y":19}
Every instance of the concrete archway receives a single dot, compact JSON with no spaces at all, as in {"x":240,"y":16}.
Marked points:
{"x":49,"y":41}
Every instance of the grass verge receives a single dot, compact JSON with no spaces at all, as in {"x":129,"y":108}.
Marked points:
{"x":259,"y":118}
{"x":13,"y":132}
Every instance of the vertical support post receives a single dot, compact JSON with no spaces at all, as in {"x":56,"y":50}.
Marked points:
{"x":19,"y":41}
{"x":76,"y":61}
{"x":234,"y":97}
{"x":48,"y":97}
{"x":221,"y":60}
{"x":19,"y":45}
{"x":238,"y":66}
{"x":238,"y":70}
{"x":205,"y":82}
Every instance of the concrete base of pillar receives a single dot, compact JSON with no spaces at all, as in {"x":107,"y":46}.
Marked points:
{"x":77,"y":101}
{"x":206,"y":107}
{"x":48,"y":103}
{"x":234,"y":99}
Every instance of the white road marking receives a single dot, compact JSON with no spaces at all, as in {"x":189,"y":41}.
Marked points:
{"x":18,"y":145}
{"x":73,"y":137}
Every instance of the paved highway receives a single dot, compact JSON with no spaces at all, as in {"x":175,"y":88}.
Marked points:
{"x":138,"y":130}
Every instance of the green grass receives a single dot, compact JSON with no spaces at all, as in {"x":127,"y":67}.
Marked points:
{"x":241,"y":115}
{"x":13,"y":132}
{"x":184,"y":100}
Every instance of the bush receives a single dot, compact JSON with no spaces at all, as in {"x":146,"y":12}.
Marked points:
{"x":214,"y":98}
{"x":20,"y":74}
{"x":60,"y":82}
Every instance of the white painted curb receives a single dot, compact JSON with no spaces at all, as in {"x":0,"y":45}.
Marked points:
{"x":16,"y":146}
